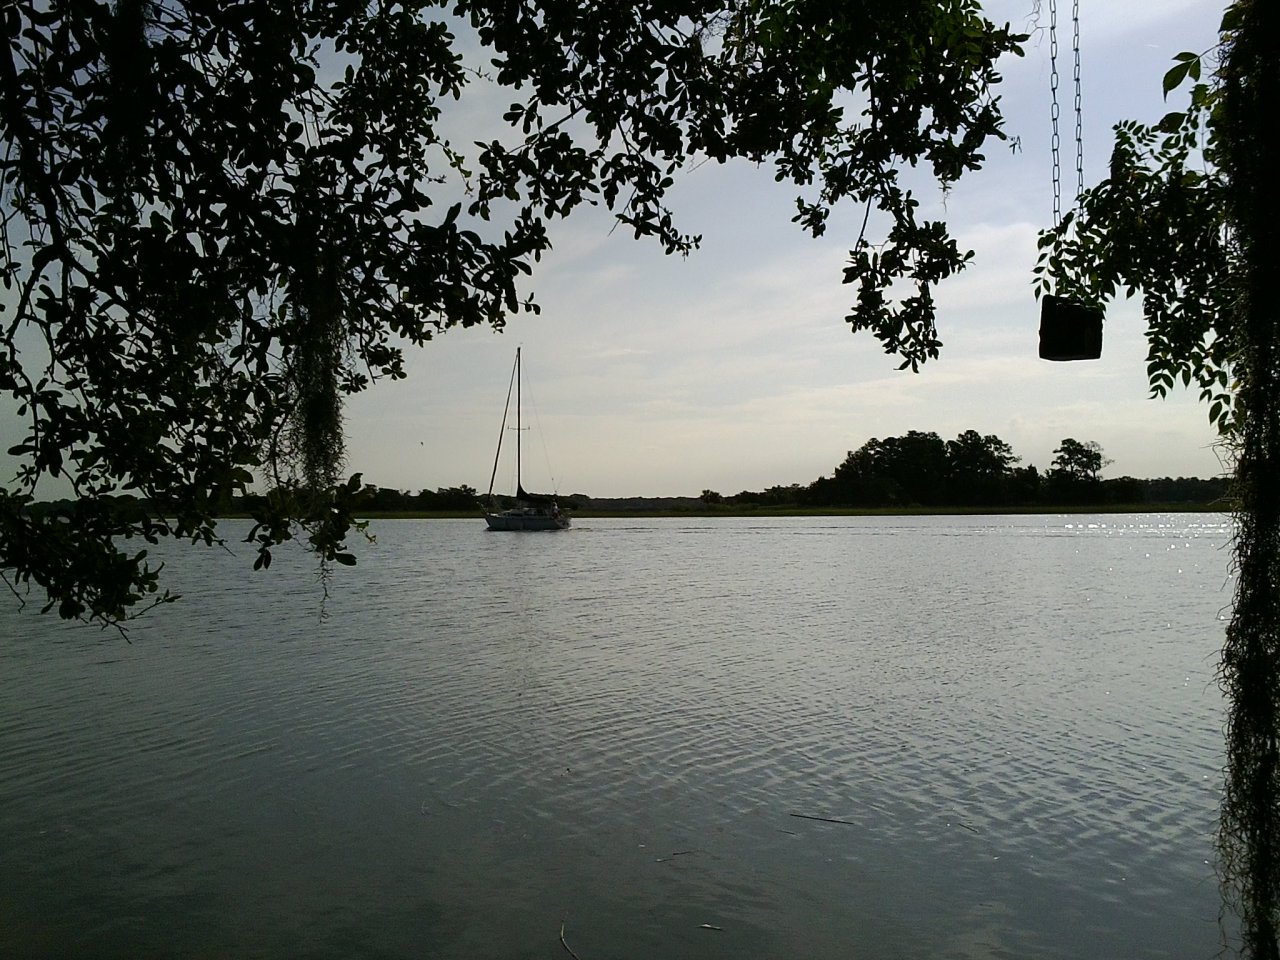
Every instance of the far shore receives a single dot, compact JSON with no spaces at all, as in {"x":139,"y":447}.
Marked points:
{"x":733,"y":511}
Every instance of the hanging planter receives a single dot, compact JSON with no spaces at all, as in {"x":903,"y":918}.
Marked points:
{"x":1069,"y":329}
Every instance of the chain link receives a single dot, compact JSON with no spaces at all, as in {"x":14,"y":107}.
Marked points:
{"x":1055,"y":142}
{"x":1075,"y":25}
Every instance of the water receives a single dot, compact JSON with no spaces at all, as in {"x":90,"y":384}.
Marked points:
{"x":628,"y":729}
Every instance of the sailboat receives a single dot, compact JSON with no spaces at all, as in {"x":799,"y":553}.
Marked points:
{"x":531,"y":511}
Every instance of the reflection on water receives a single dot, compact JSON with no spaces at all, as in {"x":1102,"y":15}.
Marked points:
{"x":1007,"y":725}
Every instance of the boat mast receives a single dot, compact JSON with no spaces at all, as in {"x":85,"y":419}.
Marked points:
{"x":503,"y":429}
{"x":519,"y":487}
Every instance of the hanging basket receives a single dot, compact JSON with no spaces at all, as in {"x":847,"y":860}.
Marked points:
{"x":1070,"y":329}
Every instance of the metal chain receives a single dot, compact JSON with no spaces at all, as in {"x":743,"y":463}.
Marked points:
{"x":1053,"y":112}
{"x":1075,"y":24}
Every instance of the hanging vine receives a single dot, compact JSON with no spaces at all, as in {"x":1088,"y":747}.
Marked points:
{"x":1249,"y":832}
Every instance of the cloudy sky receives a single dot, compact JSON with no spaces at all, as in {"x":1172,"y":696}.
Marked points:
{"x":733,"y":369}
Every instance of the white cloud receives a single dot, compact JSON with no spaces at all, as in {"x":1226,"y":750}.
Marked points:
{"x":734,"y":368}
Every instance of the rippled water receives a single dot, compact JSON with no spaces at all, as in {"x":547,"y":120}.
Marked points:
{"x":629,"y":729}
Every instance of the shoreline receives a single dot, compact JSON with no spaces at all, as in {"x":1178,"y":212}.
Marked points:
{"x":732,"y":512}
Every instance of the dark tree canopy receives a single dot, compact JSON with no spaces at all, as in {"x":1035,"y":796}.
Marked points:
{"x":908,"y":469}
{"x":979,"y":467}
{"x":1078,"y":462}
{"x":920,"y":469}
{"x":219,"y":217}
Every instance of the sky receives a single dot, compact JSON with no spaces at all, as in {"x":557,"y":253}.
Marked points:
{"x":733,"y":369}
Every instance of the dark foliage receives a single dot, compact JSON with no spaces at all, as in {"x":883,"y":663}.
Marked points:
{"x":1249,"y":832}
{"x":220,"y":217}
{"x":922,"y":470}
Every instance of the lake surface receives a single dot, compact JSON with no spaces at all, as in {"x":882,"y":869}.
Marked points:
{"x":625,"y":731}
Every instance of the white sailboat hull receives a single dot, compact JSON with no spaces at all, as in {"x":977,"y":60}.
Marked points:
{"x":528,"y":518}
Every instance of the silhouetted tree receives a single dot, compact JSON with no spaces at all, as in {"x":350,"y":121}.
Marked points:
{"x":1078,"y":462}
{"x":1025,"y":485}
{"x":1073,"y":477}
{"x":978,"y":468}
{"x":896,"y":470}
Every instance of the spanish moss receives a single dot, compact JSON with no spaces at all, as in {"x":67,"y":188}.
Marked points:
{"x":315,"y":425}
{"x":1249,"y":830}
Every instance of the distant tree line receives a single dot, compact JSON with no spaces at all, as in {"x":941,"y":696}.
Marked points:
{"x":915,"y":470}
{"x":923,"y":470}
{"x":374,"y":499}
{"x":383,"y":500}
{"x":369,"y":499}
